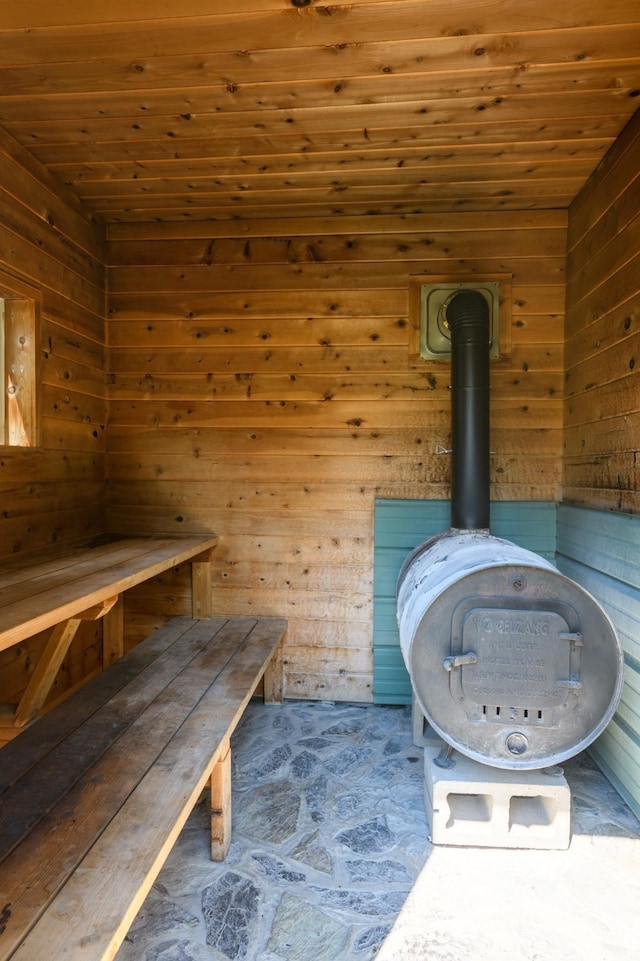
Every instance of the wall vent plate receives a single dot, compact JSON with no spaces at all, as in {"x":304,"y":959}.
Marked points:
{"x":435,"y":336}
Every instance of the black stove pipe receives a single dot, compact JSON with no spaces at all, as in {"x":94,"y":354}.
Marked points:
{"x":468,"y":319}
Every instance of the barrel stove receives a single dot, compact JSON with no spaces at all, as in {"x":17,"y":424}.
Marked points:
{"x":512,"y":664}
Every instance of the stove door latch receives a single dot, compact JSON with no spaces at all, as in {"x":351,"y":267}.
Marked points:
{"x":459,"y":660}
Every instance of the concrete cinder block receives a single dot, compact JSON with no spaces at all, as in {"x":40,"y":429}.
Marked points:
{"x":423,"y":733}
{"x":476,"y":805}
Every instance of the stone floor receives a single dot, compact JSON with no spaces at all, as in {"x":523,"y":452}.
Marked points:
{"x":330,"y":858}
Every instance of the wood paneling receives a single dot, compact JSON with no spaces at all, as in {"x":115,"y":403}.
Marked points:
{"x":54,"y":492}
{"x":52,"y":247}
{"x":273,"y":178}
{"x":263,"y":108}
{"x":602,"y":392}
{"x":599,"y":547}
{"x":262,"y":386}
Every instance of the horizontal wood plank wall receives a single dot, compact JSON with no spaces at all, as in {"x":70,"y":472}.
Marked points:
{"x":599,"y":531}
{"x":54,"y":493}
{"x":601,"y":551}
{"x":261,"y":387}
{"x":400,"y":526}
{"x":602,"y":394}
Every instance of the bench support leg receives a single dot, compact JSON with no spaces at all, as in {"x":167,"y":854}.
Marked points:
{"x":221,"y":804}
{"x":273,"y":677}
{"x":201,"y":581}
{"x":113,"y":634}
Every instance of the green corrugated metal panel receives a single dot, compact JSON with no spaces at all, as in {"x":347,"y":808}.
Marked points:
{"x":602,"y":540}
{"x":629,"y":709}
{"x":401,"y":525}
{"x":388,"y":665}
{"x":621,"y":602}
{"x":601,"y":551}
{"x":616,"y":753}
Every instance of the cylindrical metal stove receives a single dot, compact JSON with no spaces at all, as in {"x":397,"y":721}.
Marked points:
{"x":512,"y":663}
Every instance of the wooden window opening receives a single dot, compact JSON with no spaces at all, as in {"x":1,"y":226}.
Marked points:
{"x":19,"y":318}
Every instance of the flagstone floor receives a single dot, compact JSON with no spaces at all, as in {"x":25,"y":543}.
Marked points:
{"x":330,"y":836}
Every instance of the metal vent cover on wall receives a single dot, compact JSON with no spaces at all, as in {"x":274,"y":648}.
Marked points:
{"x":435,"y":336}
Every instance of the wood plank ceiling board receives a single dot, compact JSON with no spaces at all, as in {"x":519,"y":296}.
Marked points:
{"x":199,"y":110}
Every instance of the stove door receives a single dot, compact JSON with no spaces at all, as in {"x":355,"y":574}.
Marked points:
{"x":516,"y":665}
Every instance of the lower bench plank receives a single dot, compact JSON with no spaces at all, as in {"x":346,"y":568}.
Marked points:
{"x":85,"y":868}
{"x":42,"y":739}
{"x":78,"y":734}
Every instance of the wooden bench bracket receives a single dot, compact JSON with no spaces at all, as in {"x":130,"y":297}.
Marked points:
{"x":54,"y":653}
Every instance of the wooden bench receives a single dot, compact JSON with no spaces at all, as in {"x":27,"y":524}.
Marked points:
{"x":60,"y":590}
{"x":94,"y":794}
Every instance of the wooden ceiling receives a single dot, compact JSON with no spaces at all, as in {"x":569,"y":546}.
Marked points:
{"x":207,"y":109}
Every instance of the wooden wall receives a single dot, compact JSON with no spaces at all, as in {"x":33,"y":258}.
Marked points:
{"x":261,"y":387}
{"x":54,"y":492}
{"x":602,"y":407}
{"x":599,"y":531}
